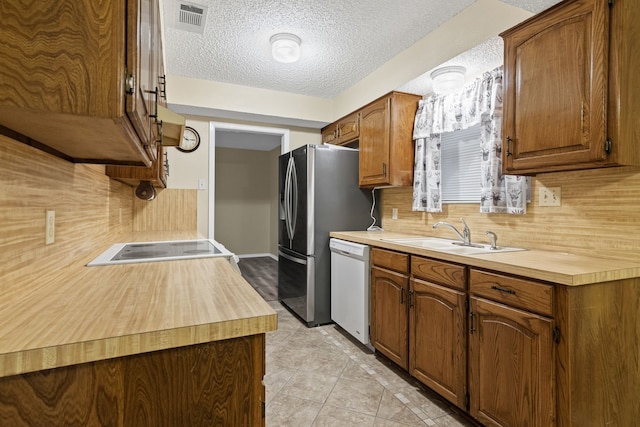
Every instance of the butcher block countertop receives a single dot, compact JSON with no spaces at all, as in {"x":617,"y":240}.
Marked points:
{"x":557,"y":267}
{"x":82,"y":314}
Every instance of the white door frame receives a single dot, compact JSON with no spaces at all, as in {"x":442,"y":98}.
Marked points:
{"x":213,"y":126}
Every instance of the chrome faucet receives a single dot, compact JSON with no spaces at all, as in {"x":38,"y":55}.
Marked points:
{"x":465,"y":236}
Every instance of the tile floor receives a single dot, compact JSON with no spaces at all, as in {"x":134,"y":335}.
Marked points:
{"x":320,"y":377}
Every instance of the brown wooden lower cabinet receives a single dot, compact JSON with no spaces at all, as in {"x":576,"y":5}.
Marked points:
{"x":511,"y":366}
{"x":390,"y":324}
{"x":438,"y":339}
{"x":525,"y":353}
{"x":212,"y":384}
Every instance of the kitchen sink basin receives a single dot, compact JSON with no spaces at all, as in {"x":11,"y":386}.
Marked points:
{"x":450,"y":246}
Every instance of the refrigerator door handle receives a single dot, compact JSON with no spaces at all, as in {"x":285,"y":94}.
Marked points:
{"x":293,"y":259}
{"x":294,"y":197}
{"x":287,"y":199}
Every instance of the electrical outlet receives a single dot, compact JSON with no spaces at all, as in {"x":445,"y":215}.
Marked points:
{"x":394,"y":213}
{"x":550,"y":196}
{"x":50,"y":228}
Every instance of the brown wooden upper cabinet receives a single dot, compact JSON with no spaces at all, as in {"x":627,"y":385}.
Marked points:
{"x":81,"y":79}
{"x":386,"y":141}
{"x":343,"y":131}
{"x":570,"y":88}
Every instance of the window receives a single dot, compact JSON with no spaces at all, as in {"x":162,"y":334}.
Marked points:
{"x":460,"y":156}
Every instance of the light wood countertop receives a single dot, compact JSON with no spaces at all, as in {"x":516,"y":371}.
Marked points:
{"x":81,"y":314}
{"x":557,"y":267}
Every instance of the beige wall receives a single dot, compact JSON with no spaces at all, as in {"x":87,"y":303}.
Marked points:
{"x":244,"y":200}
{"x":187,"y":168}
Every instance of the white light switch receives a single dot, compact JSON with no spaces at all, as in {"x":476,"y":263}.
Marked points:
{"x":202,"y":184}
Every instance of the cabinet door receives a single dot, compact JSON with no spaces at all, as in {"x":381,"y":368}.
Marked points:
{"x":555,"y":84}
{"x":349,"y":129}
{"x":329,"y":134}
{"x":374,"y":143}
{"x":437,"y":339}
{"x":142,"y":69}
{"x":511,"y":366}
{"x":389,"y":316}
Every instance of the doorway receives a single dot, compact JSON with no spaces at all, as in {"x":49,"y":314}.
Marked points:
{"x":242,"y":199}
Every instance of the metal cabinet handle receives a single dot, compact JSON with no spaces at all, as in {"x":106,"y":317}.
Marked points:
{"x":472,"y":326}
{"x":505,"y":290}
{"x":509,"y":139}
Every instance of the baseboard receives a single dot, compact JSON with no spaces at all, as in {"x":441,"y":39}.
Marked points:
{"x":272,"y":256}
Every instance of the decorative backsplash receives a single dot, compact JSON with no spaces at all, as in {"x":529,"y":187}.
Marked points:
{"x":599,"y":215}
{"x":91,"y":211}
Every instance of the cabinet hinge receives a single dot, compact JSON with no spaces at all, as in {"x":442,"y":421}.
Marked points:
{"x":467,"y":401}
{"x":607,"y":146}
{"x":263,"y":408}
{"x":466,"y":304}
{"x":130,"y":84}
{"x":556,"y":335}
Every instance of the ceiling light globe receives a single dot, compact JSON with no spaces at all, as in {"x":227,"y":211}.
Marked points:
{"x":285,"y":47}
{"x":448,"y":79}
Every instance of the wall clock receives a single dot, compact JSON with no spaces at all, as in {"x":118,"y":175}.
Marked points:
{"x":190,"y":140}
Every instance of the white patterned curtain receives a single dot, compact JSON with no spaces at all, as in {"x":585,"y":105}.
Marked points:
{"x":479,"y":102}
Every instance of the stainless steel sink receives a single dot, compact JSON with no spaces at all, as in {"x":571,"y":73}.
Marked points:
{"x":450,"y":246}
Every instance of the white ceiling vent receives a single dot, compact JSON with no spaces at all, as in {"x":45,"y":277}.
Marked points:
{"x":191,"y":17}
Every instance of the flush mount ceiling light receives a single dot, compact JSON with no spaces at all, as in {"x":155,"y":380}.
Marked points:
{"x":285,"y":47}
{"x":448,"y":79}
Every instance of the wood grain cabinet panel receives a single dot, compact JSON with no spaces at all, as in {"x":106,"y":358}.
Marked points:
{"x":525,"y":294}
{"x":132,"y":175}
{"x":438,"y":339}
{"x":330,"y":133}
{"x":511,"y":366}
{"x":84,"y":88}
{"x":389,"y":323}
{"x":211,"y":384}
{"x":342,"y":132}
{"x":569,"y":75}
{"x":386,"y":141}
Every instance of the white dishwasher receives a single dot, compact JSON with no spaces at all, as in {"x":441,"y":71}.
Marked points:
{"x":350,"y":287}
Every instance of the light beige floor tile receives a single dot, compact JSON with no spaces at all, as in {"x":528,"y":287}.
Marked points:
{"x":275,"y":378}
{"x":310,"y":386}
{"x":432,"y":407}
{"x":357,"y":395}
{"x":288,"y":356}
{"x":394,"y":410}
{"x":331,"y":416}
{"x":285,"y":410}
{"x":381,"y":422}
{"x":326,"y":361}
{"x":307,"y":367}
{"x":453,"y":420}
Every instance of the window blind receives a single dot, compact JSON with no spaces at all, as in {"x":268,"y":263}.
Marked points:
{"x":460,"y":156}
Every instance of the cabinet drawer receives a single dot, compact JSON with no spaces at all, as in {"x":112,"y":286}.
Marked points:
{"x":389,"y":259}
{"x":525,"y":294}
{"x":439,"y":272}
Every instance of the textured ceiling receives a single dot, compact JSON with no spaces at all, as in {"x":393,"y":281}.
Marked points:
{"x":342,"y":41}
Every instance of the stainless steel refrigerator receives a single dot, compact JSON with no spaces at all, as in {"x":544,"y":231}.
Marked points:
{"x":319,"y":193}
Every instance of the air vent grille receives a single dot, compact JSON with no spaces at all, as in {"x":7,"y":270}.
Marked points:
{"x":191,"y":17}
